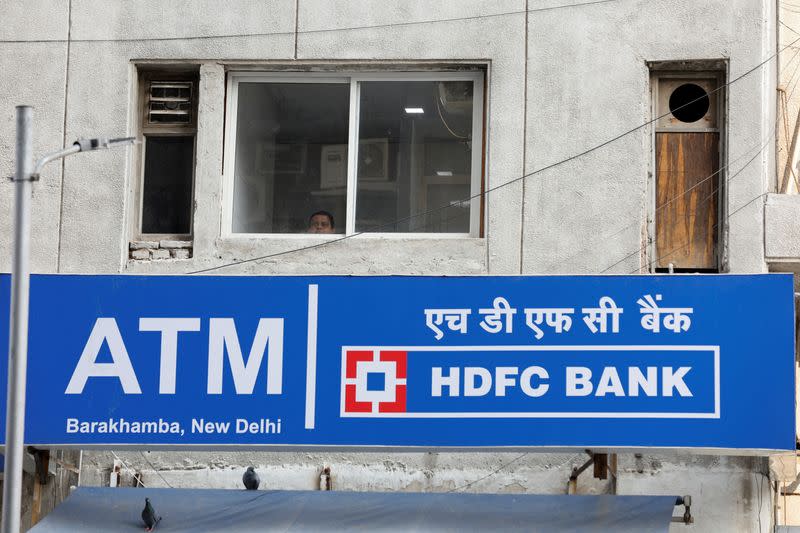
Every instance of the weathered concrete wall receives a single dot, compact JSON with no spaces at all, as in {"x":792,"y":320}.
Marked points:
{"x":33,"y":74}
{"x":587,"y":81}
{"x":599,"y":87}
{"x":728,"y":493}
{"x":559,"y":81}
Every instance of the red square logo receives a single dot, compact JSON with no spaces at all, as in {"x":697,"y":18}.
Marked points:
{"x":374,"y":381}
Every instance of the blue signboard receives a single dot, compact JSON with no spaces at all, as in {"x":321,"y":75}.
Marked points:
{"x":677,"y":361}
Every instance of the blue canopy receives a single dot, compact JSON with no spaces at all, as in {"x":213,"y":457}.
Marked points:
{"x":109,"y":510}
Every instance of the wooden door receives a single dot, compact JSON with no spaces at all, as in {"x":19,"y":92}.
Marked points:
{"x":687,"y":189}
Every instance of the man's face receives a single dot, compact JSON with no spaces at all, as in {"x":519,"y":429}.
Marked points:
{"x":320,"y":224}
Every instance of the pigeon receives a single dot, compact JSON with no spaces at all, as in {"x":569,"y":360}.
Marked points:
{"x":250,"y":479}
{"x":149,"y":516}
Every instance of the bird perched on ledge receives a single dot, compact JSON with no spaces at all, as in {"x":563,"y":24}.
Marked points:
{"x":250,"y":479}
{"x":149,"y":516}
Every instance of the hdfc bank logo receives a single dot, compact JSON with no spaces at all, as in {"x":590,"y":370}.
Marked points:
{"x":373,"y":382}
{"x":458,"y":382}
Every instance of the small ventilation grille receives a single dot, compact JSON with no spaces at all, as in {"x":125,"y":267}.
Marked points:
{"x":170,"y":102}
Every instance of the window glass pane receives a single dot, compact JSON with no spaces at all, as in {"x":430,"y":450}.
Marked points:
{"x":291,"y":157}
{"x":415,"y":154}
{"x":167,"y":188}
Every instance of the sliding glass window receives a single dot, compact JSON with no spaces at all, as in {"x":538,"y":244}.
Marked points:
{"x":378,"y":153}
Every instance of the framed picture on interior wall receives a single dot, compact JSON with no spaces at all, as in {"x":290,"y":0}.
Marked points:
{"x":333,"y":166}
{"x":284,"y":158}
{"x":373,"y":159}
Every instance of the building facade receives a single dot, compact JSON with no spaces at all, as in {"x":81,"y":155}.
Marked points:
{"x":454,"y":138}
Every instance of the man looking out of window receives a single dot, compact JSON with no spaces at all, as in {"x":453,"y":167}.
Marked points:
{"x":321,"y":222}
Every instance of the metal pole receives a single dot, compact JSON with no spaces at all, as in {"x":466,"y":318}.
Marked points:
{"x":18,"y":326}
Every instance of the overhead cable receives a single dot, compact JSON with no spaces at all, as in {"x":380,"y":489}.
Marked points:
{"x":500,"y":186}
{"x":307,"y":32}
{"x":794,"y":83}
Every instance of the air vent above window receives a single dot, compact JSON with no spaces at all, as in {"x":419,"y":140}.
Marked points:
{"x":170,"y":102}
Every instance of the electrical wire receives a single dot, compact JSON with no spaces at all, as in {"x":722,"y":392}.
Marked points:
{"x":792,"y":81}
{"x":444,"y":122}
{"x":649,"y":264}
{"x":129,"y":469}
{"x":786,"y":102}
{"x":791,"y":78}
{"x":521,"y":456}
{"x":673,"y":251}
{"x":490,"y":474}
{"x":782,"y":23}
{"x":499,"y":469}
{"x":713,"y":192}
{"x":134,"y":473}
{"x":789,"y":9}
{"x":155,"y":470}
{"x":307,"y":32}
{"x":604,"y":238}
{"x":502,"y":185}
{"x":785,"y":120}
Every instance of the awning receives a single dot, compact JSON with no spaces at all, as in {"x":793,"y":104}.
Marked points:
{"x":109,"y":510}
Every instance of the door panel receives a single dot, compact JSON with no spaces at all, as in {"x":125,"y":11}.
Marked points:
{"x":686,"y":199}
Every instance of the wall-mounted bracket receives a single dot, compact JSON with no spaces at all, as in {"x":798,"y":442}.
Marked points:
{"x":603,"y":465}
{"x":31,"y":177}
{"x":687,"y":517}
{"x":325,"y":481}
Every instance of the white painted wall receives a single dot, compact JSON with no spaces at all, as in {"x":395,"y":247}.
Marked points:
{"x":559,"y":81}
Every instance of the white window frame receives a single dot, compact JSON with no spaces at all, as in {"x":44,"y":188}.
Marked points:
{"x":354,"y":80}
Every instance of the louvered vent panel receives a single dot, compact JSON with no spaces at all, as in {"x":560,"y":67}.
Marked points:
{"x":170,"y":102}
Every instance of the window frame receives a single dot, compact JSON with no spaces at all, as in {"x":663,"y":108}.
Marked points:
{"x":354,"y":80}
{"x":169,"y":130}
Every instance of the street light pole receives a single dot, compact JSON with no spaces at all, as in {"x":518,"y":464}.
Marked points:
{"x":18,"y":324}
{"x":24,"y":176}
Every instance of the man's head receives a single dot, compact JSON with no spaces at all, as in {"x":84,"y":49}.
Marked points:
{"x":321,"y":222}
